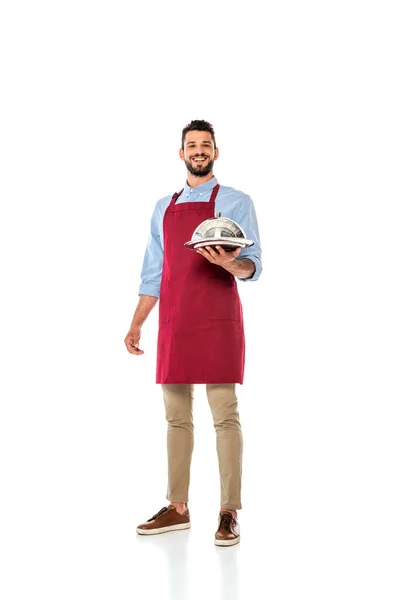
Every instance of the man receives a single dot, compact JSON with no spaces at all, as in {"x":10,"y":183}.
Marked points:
{"x":201,"y":336}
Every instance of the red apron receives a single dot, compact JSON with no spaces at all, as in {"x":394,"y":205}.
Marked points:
{"x":201,"y":335}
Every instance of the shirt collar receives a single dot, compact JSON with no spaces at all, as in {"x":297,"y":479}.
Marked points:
{"x":204,"y":187}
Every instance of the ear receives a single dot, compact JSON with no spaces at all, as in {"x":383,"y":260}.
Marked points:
{"x":181,"y":154}
{"x":216,"y":154}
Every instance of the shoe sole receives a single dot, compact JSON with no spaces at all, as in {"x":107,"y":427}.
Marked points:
{"x":227,"y":542}
{"x":162,"y":529}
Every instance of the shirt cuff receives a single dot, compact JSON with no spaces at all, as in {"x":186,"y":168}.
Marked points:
{"x":147,"y":289}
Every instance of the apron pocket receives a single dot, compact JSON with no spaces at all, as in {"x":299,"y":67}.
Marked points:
{"x":164,"y":305}
{"x":224,"y":300}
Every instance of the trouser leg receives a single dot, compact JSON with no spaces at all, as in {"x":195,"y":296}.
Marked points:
{"x":224,"y":406}
{"x":178,"y":401}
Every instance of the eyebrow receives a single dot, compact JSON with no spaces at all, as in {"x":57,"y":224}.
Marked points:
{"x":193,"y":142}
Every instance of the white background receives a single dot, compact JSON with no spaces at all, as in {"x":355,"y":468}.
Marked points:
{"x":304,"y":98}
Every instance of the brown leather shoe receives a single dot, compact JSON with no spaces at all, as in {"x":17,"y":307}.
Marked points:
{"x":167,"y":519}
{"x":228,"y":532}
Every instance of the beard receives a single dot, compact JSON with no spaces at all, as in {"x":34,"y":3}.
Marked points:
{"x":200,"y":170}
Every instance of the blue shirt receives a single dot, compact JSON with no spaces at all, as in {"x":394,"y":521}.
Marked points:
{"x":229,"y":202}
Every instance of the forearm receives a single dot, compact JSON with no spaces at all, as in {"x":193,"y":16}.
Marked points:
{"x":243,"y":268}
{"x":144,"y":308}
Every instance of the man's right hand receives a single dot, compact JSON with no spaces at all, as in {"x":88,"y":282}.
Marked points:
{"x":132,"y":340}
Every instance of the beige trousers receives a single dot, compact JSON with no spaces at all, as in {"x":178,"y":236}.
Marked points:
{"x":178,"y":400}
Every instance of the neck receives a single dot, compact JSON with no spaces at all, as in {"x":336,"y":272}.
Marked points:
{"x":194,"y":181}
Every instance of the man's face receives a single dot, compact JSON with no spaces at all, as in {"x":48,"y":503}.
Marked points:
{"x":199,"y":153}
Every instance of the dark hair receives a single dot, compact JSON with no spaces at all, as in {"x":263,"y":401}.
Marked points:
{"x":198,"y":126}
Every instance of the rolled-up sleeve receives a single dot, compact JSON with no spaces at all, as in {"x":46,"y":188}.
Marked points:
{"x":153,"y":259}
{"x":246,"y":217}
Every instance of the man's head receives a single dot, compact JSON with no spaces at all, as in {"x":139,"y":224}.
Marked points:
{"x":198,"y":149}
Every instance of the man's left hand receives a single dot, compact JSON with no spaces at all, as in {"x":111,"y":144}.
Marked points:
{"x":223,"y":259}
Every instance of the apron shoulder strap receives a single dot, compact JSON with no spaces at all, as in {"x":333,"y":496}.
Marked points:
{"x":177,"y":194}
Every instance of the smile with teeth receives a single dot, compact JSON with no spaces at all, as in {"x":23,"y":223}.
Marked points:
{"x":200,"y":159}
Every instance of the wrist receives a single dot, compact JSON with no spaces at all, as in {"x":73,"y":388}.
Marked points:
{"x":230,"y":266}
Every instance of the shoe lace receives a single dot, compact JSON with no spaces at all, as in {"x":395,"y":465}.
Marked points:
{"x":160,"y":512}
{"x":226,"y":520}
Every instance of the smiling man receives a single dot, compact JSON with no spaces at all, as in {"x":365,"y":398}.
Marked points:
{"x":201,"y":333}
{"x":198,"y":153}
